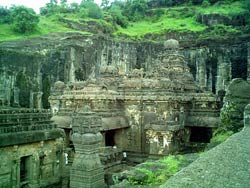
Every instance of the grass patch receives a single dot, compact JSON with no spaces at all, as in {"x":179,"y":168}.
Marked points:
{"x":165,"y":24}
{"x":159,"y":21}
{"x":221,"y":136}
{"x":46,"y":25}
{"x":226,"y":9}
{"x":182,"y":19}
{"x":154,"y":173}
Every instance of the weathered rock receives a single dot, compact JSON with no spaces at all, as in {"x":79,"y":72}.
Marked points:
{"x":31,"y":150}
{"x":127,"y":101}
{"x":237,"y":97}
{"x":216,"y":167}
{"x":39,"y":62}
{"x":87,"y":170}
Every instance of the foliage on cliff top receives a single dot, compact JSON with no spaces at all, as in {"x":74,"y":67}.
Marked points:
{"x":225,"y":8}
{"x":131,"y":20}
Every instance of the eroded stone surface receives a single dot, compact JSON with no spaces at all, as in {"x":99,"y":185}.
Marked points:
{"x":226,"y":165}
{"x":86,"y":170}
{"x":31,"y":149}
{"x":154,"y":111}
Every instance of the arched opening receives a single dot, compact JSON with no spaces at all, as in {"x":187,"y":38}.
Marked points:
{"x":200,"y":134}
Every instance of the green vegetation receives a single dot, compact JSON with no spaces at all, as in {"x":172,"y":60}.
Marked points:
{"x":226,"y":127}
{"x":226,"y":9}
{"x":133,"y":19}
{"x":219,"y":137}
{"x":24,"y":19}
{"x":165,"y":24}
{"x":157,"y":172}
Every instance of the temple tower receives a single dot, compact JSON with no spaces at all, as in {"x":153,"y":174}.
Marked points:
{"x":86,"y":171}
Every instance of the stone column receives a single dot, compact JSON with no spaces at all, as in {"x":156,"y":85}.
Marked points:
{"x":223,"y":73}
{"x":72,"y":66}
{"x":31,"y":99}
{"x":86,"y":171}
{"x":201,"y":75}
{"x":39,"y":100}
{"x":248,"y":61}
{"x":16,"y":96}
{"x":247,"y":116}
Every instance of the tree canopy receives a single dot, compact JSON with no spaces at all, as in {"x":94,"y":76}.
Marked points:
{"x":24,"y":19}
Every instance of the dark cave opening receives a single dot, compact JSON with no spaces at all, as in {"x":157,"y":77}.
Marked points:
{"x":110,"y":138}
{"x":24,"y":167}
{"x":239,"y":68}
{"x":200,"y":134}
{"x":46,"y":85}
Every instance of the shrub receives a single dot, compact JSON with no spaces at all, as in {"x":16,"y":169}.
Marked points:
{"x":226,"y":117}
{"x":205,"y":3}
{"x":24,"y":19}
{"x":94,"y":11}
{"x":173,"y":163}
{"x":219,"y":136}
{"x":116,"y":13}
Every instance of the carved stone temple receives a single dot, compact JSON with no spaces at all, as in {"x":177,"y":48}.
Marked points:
{"x":117,"y":117}
{"x":143,"y":113}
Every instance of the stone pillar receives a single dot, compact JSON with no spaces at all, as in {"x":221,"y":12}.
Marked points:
{"x":86,"y":170}
{"x":31,"y":99}
{"x":16,"y":96}
{"x":248,"y":61}
{"x":39,"y":100}
{"x":223,"y":73}
{"x":247,"y":116}
{"x":201,"y":75}
{"x":72,"y":66}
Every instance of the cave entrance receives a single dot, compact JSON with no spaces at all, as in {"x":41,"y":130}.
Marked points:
{"x":239,"y":68}
{"x":110,"y":138}
{"x":200,"y":134}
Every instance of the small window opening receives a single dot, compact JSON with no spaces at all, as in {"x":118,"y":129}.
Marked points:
{"x":24,"y":171}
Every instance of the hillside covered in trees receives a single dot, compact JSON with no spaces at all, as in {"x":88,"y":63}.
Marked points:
{"x":130,"y":19}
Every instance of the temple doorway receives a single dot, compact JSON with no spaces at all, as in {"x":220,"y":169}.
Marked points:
{"x":110,"y":138}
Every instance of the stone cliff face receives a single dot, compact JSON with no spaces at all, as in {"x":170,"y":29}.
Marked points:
{"x":28,"y":68}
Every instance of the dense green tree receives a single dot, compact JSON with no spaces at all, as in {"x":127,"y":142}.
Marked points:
{"x":50,"y":8}
{"x":53,"y":3}
{"x":116,"y":13}
{"x":94,"y":11}
{"x":105,"y":3}
{"x":246,"y":4}
{"x":5,"y":15}
{"x":63,"y":2}
{"x":74,"y":7}
{"x":135,"y":9}
{"x":166,"y":2}
{"x":24,"y":19}
{"x":118,"y":3}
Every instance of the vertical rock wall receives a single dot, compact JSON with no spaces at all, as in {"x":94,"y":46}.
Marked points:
{"x":29,"y":68}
